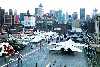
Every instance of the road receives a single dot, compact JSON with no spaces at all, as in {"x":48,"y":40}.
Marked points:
{"x":42,"y":58}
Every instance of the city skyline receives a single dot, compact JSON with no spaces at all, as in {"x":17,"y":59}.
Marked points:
{"x":66,"y":5}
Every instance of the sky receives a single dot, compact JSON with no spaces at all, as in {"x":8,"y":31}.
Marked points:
{"x":66,"y":5}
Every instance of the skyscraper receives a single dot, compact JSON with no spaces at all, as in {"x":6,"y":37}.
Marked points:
{"x":2,"y":12}
{"x":39,"y":11}
{"x":15,"y":12}
{"x":70,"y":19}
{"x":88,"y":17}
{"x":82,"y":14}
{"x":52,"y":12}
{"x":94,"y":12}
{"x":97,"y":29}
{"x":60,"y":16}
{"x":67,"y":16}
{"x":63,"y":17}
{"x":10,"y":12}
{"x":22,"y":16}
{"x":36,"y":11}
{"x":74,"y":16}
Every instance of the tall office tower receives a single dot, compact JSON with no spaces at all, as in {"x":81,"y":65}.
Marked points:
{"x":36,"y":11}
{"x":63,"y":17}
{"x":82,"y":14}
{"x":39,"y":11}
{"x":94,"y":12}
{"x":56,"y":15}
{"x":69,"y":22}
{"x":97,"y":31}
{"x":74,"y":16}
{"x":67,"y":16}
{"x":22,"y":16}
{"x":52,"y":12}
{"x":59,"y":16}
{"x":15,"y":12}
{"x":88,"y":17}
{"x":97,"y":28}
{"x":10,"y":12}
{"x":2,"y":12}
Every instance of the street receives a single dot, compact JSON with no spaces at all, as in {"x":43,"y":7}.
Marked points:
{"x":37,"y":57}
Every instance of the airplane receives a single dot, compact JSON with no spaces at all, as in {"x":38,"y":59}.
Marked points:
{"x":68,"y":46}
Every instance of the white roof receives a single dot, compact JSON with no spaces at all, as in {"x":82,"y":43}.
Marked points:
{"x":75,"y":35}
{"x":25,"y":43}
{"x":66,"y":47}
{"x":67,"y":44}
{"x":78,"y":44}
{"x":57,"y":48}
{"x":79,"y":39}
{"x":73,"y":48}
{"x":50,"y":33}
{"x":52,"y":43}
{"x":37,"y":39}
{"x":77,"y":29}
{"x":5,"y":43}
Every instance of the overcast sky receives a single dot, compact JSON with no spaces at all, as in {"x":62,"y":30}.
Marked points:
{"x":66,"y":5}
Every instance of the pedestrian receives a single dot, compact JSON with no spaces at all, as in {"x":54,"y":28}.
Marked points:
{"x":50,"y":65}
{"x":31,"y":47}
{"x":19,"y":60}
{"x":36,"y":65}
{"x":54,"y":62}
{"x":7,"y":65}
{"x":64,"y":65}
{"x":48,"y":41}
{"x":45,"y":39}
{"x":52,"y":39}
{"x":40,"y":45}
